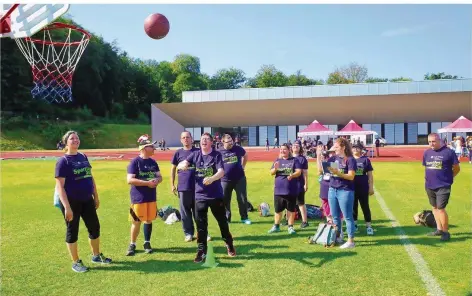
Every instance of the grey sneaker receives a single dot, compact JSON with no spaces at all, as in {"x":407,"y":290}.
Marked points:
{"x":445,"y":236}
{"x":79,"y":266}
{"x":100,"y":258}
{"x":147,"y":248}
{"x":274,"y":229}
{"x":131,"y":250}
{"x":304,"y":225}
{"x":291,"y":230}
{"x":436,"y":233}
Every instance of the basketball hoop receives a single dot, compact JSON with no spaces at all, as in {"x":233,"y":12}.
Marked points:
{"x":54,"y":61}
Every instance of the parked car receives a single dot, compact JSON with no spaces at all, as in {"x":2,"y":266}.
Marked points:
{"x":383,"y":142}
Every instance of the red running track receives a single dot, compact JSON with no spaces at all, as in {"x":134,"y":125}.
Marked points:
{"x":387,"y":154}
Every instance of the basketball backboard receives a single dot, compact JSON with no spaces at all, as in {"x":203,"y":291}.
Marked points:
{"x":25,"y":20}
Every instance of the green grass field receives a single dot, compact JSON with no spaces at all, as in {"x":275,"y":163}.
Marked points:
{"x":102,"y":136}
{"x":34,"y":259}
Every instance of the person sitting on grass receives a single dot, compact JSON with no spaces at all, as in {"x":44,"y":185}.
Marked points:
{"x":79,"y":198}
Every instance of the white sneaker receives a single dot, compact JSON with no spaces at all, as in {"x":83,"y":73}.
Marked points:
{"x":347,"y":245}
{"x":370,"y":231}
{"x":208,"y":238}
{"x":188,"y":238}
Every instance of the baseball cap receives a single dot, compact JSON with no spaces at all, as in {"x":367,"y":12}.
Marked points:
{"x":357,"y":145}
{"x":144,"y":141}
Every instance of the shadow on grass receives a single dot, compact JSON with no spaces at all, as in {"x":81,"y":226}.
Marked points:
{"x":244,"y":252}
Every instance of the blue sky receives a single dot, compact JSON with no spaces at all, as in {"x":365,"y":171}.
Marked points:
{"x":391,"y":40}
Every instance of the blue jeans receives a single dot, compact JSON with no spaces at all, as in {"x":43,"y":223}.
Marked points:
{"x":341,"y":200}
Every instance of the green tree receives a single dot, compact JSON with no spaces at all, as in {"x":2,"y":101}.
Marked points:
{"x":188,"y":82}
{"x":298,"y":79}
{"x":439,"y":75}
{"x":337,"y":77}
{"x":185,"y":63}
{"x":230,"y":78}
{"x":353,"y":72}
{"x":375,"y":79}
{"x":399,"y":79}
{"x":269,"y":76}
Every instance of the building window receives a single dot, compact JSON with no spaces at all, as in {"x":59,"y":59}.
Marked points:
{"x":422,"y":128}
{"x":197,"y":133}
{"x":263,"y":136}
{"x":207,"y":130}
{"x":390,"y":133}
{"x":435,"y":126}
{"x":292,"y":132}
{"x":253,"y":136}
{"x":244,"y":136}
{"x":283,"y":134}
{"x":271,"y":133}
{"x":412,"y":130}
{"x":376,"y":128}
{"x":399,"y":133}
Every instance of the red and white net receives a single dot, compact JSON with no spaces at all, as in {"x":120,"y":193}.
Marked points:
{"x":53,"y":55}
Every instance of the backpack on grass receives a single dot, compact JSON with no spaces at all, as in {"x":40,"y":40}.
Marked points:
{"x":425,"y":218}
{"x":325,"y":235}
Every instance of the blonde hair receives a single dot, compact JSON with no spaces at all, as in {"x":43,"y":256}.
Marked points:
{"x":66,"y":136}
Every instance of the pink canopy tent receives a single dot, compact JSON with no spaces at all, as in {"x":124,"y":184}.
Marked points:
{"x":315,"y":129}
{"x":353,"y":129}
{"x":461,"y":125}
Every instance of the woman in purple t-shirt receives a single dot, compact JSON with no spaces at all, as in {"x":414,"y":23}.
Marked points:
{"x":324,"y":180}
{"x":364,"y":187}
{"x":297,"y":151}
{"x":79,"y":198}
{"x":341,"y":188}
{"x":286,"y":170}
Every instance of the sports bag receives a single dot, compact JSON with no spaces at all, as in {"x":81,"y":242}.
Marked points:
{"x":425,"y":218}
{"x":313,"y":212}
{"x":325,"y":235}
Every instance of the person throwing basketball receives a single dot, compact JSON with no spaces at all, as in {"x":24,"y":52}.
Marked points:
{"x":143,"y":176}
{"x":209,"y":169}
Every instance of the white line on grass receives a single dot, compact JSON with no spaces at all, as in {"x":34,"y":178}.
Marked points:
{"x":421,"y":266}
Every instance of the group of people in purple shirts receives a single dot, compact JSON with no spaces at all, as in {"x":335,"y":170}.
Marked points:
{"x":207,"y":178}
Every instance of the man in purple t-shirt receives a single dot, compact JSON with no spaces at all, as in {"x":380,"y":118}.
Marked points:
{"x":441,"y":167}
{"x":186,"y":185}
{"x":209,"y":169}
{"x":234,"y":160}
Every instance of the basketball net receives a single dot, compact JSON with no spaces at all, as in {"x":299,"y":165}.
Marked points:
{"x":53,"y":62}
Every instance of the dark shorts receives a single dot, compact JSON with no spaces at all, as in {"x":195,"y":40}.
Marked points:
{"x":301,"y":198}
{"x":439,"y":198}
{"x":282,"y":202}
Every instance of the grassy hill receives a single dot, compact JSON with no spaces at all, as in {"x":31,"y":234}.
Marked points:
{"x":92,"y":134}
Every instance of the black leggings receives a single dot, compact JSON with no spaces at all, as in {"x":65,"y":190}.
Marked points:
{"x":86,"y":210}
{"x":362,"y":198}
{"x":218,"y":209}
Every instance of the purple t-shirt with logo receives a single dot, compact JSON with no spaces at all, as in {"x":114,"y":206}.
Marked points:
{"x":232,"y":161}
{"x":206,"y":166}
{"x":77,"y":171}
{"x":344,"y":165}
{"x":304,"y":165}
{"x":438,"y":167}
{"x":145,"y":170}
{"x":186,"y":179}
{"x":361,"y":180}
{"x":282,"y":185}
